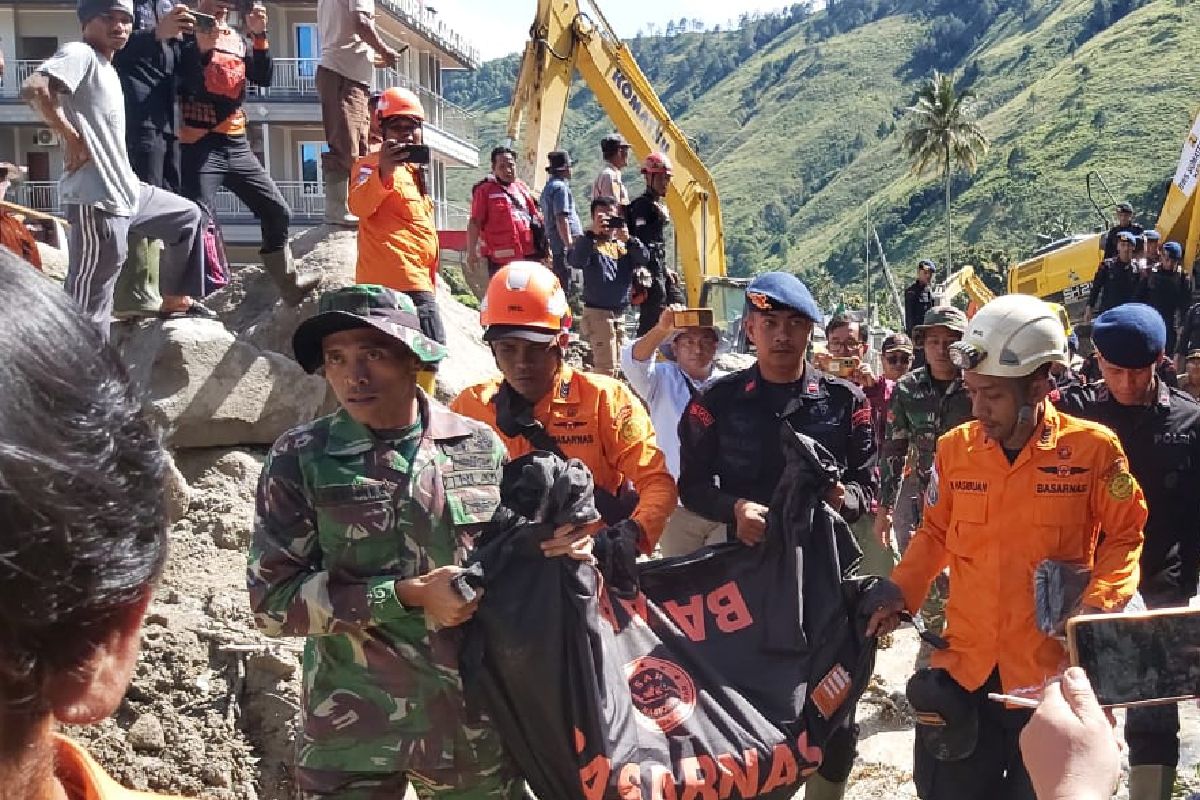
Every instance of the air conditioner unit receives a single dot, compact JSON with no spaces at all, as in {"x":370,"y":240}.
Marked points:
{"x":44,"y":137}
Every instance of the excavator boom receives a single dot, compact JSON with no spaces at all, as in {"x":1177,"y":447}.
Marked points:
{"x":566,"y":39}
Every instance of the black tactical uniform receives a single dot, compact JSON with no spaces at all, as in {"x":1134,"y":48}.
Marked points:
{"x":1110,"y":241}
{"x":647,"y":219}
{"x":918,"y":299}
{"x":729,"y":440}
{"x":1162,"y":442}
{"x":1170,"y":294}
{"x":1115,"y":284}
{"x":1189,"y":334}
{"x":730,"y":448}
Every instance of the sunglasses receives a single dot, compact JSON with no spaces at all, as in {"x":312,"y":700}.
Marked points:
{"x":898,"y":358}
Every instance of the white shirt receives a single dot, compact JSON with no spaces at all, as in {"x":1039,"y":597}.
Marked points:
{"x":666,"y":390}
{"x":342,"y":50}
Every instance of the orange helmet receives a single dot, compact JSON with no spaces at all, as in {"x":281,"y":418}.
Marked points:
{"x":656,"y":164}
{"x":525,"y":300}
{"x":399,"y":102}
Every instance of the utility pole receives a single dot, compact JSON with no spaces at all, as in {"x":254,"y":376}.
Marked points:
{"x":870,"y":305}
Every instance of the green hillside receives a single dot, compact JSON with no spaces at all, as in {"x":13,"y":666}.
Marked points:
{"x":799,"y":117}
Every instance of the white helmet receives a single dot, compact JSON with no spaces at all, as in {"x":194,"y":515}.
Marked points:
{"x":1011,"y":337}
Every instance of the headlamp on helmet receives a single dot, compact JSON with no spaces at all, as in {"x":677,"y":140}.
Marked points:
{"x":966,"y":356}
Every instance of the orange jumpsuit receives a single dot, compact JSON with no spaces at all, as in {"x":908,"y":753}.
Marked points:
{"x":397,"y":238}
{"x":992,"y":523}
{"x":76,"y":769}
{"x":597,"y":420}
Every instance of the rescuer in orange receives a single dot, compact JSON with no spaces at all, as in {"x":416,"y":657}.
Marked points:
{"x":1019,"y":485}
{"x":543,"y":404}
{"x":397,"y":236}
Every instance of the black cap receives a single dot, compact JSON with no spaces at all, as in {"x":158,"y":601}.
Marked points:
{"x":1124,"y":208}
{"x":925,"y":263}
{"x":559,"y":160}
{"x":612,"y":143}
{"x":947,"y":716}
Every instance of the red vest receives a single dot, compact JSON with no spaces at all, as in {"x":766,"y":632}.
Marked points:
{"x":507,"y":230}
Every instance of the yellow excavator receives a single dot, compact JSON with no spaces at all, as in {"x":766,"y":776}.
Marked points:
{"x":1062,"y":271}
{"x":566,"y":38}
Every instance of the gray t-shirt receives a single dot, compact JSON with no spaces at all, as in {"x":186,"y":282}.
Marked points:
{"x":556,"y":201}
{"x":95,"y":105}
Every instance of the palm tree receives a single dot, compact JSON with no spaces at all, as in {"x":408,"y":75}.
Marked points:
{"x":943,"y":136}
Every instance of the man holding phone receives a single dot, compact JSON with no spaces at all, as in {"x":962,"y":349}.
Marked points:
{"x":147,"y":67}
{"x":1160,"y":430}
{"x":1020,"y":484}
{"x":607,"y":255}
{"x":215,"y":68}
{"x":397,"y":237}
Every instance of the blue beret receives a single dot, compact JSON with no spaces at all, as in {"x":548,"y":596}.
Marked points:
{"x":1153,"y":235}
{"x":782,"y":291}
{"x":1127,"y":236}
{"x":1173,"y":249}
{"x":1132,"y":335}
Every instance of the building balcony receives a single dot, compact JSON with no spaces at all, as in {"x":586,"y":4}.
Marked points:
{"x":413,"y":14}
{"x":292,"y":99}
{"x":305,"y":199}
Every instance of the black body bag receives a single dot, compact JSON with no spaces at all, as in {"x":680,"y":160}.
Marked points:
{"x":720,"y":674}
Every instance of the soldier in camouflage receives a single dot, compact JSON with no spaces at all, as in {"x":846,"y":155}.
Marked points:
{"x":363,"y":518}
{"x":926,"y":403}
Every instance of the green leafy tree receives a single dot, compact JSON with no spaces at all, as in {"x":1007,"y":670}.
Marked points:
{"x":943,"y":136}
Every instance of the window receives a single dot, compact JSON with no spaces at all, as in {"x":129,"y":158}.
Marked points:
{"x":311,"y":175}
{"x":308,"y":49}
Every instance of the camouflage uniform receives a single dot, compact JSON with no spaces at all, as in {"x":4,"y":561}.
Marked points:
{"x":917,"y":416}
{"x":343,"y":512}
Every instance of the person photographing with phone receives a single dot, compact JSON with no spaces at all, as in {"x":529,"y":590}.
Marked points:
{"x":389,"y":193}
{"x":607,"y":255}
{"x":1019,"y":485}
{"x":687,"y":340}
{"x":216,"y":66}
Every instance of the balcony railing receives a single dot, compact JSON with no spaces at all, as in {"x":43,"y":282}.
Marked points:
{"x":414,"y":15}
{"x":305,"y":198}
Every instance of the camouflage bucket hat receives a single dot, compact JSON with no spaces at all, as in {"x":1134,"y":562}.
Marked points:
{"x":361,"y":306}
{"x":940,"y":316}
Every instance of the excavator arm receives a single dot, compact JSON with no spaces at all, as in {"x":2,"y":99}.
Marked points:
{"x":565,"y":39}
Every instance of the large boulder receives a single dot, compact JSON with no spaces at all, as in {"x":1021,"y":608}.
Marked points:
{"x":210,"y":388}
{"x":249,"y":307}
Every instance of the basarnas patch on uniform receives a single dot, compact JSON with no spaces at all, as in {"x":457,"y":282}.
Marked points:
{"x":933,"y":492}
{"x":1120,"y":486}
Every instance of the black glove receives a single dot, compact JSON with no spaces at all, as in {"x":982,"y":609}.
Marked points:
{"x":616,"y":553}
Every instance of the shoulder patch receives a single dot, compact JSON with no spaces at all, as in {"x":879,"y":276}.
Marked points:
{"x":861,"y":417}
{"x":933,"y":493}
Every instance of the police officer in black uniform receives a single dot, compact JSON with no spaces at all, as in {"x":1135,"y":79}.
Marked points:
{"x":918,"y":297}
{"x":1116,"y":280}
{"x":648,"y":220}
{"x":1159,"y":427}
{"x":1125,"y":224}
{"x":730,"y":444}
{"x":1167,"y":290}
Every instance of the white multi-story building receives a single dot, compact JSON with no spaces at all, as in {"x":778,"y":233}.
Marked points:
{"x":285,"y":120}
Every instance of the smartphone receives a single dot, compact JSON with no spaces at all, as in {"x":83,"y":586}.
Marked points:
{"x":415,"y":153}
{"x":693,"y":318}
{"x":205,"y":23}
{"x":616,"y":221}
{"x":842,"y":367}
{"x":1144,"y":659}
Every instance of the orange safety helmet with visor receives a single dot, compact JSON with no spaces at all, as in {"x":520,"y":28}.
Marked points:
{"x":397,"y":101}
{"x":524,"y":300}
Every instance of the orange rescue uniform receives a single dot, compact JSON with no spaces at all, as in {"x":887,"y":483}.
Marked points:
{"x":397,"y":238}
{"x":992,"y":523}
{"x":84,"y":778}
{"x":596,"y":419}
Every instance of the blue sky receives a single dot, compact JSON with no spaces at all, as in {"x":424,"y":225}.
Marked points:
{"x":499,"y":27}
